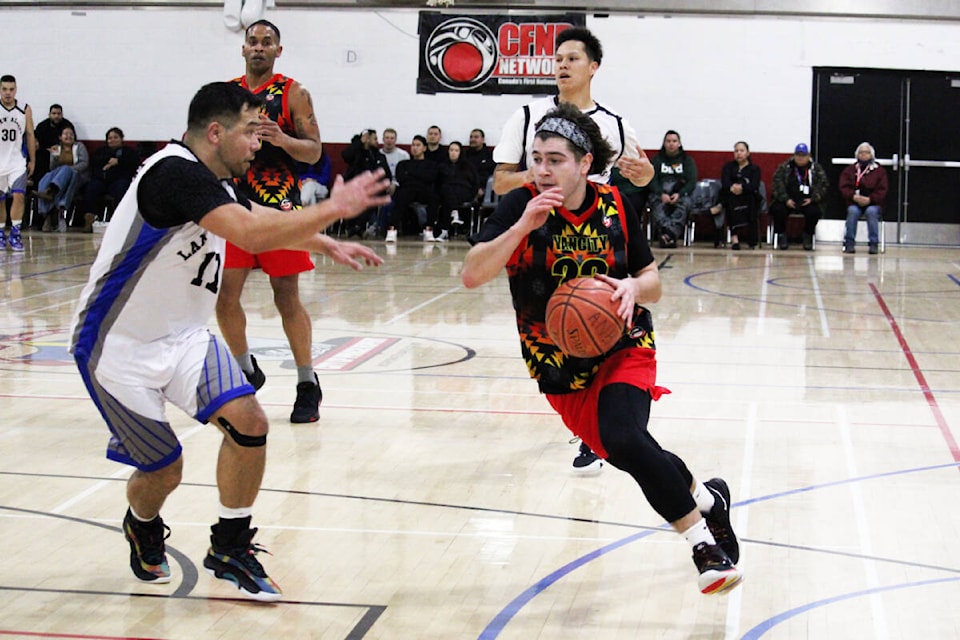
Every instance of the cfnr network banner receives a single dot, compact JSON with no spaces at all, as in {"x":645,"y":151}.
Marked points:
{"x":489,"y":54}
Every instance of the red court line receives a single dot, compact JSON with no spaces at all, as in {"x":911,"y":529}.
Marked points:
{"x":34,"y":634}
{"x":918,"y":374}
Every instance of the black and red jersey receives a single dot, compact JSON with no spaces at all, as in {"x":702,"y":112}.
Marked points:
{"x":603,"y":236}
{"x":272,"y":178}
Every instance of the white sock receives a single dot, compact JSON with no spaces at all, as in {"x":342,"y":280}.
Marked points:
{"x":245,"y":362}
{"x":703,"y":497}
{"x":699,"y":533}
{"x":140,"y":518}
{"x":235,"y":514}
{"x":231,"y":14}
{"x":251,"y":12}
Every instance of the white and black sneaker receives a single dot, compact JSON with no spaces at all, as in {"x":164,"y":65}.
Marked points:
{"x":587,"y":463}
{"x":717,"y":572}
{"x":718,"y":520}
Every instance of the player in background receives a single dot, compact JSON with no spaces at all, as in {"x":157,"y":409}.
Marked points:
{"x":17,"y":157}
{"x":289,"y":132}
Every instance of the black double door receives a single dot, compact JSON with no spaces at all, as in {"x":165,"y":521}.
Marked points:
{"x":910,"y":117}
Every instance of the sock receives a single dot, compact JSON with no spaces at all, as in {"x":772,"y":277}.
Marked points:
{"x":305,"y":374}
{"x":251,"y":11}
{"x":231,"y":14}
{"x":140,"y":518}
{"x":698,"y":534}
{"x":703,"y":497}
{"x":245,"y":362}
{"x":232,"y":523}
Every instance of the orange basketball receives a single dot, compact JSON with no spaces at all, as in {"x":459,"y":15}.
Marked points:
{"x":581,"y":318}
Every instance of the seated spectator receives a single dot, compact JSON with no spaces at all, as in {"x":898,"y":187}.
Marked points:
{"x":47,"y":135}
{"x":480,"y":156}
{"x":394,"y":155}
{"x":740,"y":195}
{"x":459,"y":189}
{"x":435,"y":151}
{"x":863,"y":186}
{"x":69,"y":170}
{"x":112,"y":167}
{"x":315,"y":180}
{"x":799,"y":186}
{"x":363,"y":154}
{"x":417,"y":180}
{"x":674,"y":179}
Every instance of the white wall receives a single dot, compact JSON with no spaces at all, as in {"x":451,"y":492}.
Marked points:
{"x":716,"y":80}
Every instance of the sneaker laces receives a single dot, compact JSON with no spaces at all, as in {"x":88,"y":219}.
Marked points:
{"x":245,"y":552}
{"x":151,"y":539}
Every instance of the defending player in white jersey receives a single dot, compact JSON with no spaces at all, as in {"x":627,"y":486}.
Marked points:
{"x":140,"y":337}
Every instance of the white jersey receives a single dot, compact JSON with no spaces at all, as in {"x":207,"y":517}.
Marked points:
{"x":516,"y":141}
{"x":150,"y":284}
{"x":13,"y":128}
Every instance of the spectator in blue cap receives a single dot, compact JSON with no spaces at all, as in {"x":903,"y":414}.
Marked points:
{"x":799,"y":188}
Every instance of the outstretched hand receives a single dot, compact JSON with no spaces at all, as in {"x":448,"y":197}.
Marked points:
{"x":637,"y":170}
{"x":352,"y":254}
{"x":367,"y":190}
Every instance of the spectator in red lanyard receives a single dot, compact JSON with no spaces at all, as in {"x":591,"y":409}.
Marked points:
{"x":863,"y":186}
{"x":799,"y":187}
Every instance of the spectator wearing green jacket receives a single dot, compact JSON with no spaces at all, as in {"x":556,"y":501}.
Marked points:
{"x":674,"y":179}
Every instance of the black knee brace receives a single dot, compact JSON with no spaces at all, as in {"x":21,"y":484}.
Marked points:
{"x":242,"y":439}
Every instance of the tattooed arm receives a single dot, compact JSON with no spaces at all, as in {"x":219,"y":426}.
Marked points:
{"x":306,"y":146}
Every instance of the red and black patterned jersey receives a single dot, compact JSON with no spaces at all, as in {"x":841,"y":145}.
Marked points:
{"x":272,"y":178}
{"x":603,"y":236}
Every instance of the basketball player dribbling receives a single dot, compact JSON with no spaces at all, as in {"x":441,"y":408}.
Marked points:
{"x":578,"y":57}
{"x":563,"y":223}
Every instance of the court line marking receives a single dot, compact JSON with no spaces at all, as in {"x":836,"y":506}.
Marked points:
{"x":918,"y":374}
{"x":768,"y":624}
{"x":863,"y":529}
{"x":497,"y":625}
{"x":824,"y":325}
{"x":735,"y":599}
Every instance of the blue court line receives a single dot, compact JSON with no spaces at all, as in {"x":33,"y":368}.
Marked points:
{"x":768,"y":624}
{"x":501,"y":620}
{"x":954,"y":278}
{"x":736,"y":296}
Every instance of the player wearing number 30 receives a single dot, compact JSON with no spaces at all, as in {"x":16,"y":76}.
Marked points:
{"x":140,"y":336}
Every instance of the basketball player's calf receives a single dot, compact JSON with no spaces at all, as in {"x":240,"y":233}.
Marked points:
{"x":232,"y":553}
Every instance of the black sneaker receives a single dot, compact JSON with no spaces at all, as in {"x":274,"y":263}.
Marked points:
{"x":307,"y":406}
{"x":257,"y":378}
{"x":147,"y":551}
{"x":587,"y":463}
{"x":717,"y":573}
{"x":718,"y":520}
{"x":238,"y":564}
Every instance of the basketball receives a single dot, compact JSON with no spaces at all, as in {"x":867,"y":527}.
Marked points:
{"x":581,"y":318}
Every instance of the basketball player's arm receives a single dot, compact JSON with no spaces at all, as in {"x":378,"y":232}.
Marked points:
{"x":486,"y":259}
{"x":633,"y":164}
{"x":262,"y":229}
{"x":350,"y":254}
{"x":31,"y":142}
{"x":306,"y":146}
{"x":506,"y":178}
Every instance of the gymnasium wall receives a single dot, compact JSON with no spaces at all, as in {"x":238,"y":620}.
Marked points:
{"x":715,"y":79}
